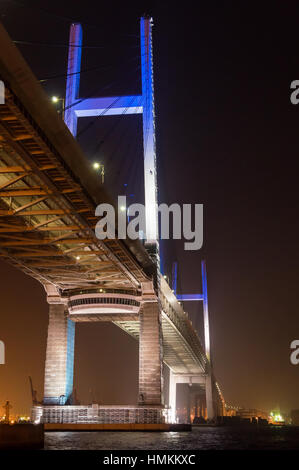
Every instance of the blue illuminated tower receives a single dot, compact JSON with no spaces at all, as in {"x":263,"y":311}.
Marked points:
{"x":195,"y":298}
{"x":117,"y":105}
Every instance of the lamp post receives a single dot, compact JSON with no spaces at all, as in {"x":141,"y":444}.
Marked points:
{"x":56,"y":99}
{"x":101,"y":168}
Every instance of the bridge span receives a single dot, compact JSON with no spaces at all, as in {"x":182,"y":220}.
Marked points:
{"x":48,"y":197}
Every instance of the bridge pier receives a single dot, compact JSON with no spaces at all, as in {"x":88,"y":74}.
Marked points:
{"x":205,"y":380}
{"x":150,"y":355}
{"x":209,"y":398}
{"x":172,"y":396}
{"x":59,"y":367}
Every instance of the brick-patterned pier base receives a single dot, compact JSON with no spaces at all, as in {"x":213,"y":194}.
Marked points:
{"x":150,"y":355}
{"x":59,"y":357}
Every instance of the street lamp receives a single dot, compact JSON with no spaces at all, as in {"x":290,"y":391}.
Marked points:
{"x":56,"y":99}
{"x":99,"y":166}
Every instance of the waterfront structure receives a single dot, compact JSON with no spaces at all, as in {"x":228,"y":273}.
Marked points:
{"x":48,"y":196}
{"x":252,"y":413}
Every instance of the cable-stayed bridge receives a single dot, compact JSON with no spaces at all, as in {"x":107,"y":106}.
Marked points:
{"x":48,"y":197}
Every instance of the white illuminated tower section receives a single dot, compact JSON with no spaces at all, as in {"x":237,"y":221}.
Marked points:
{"x":107,"y":106}
{"x":149,"y":140}
{"x":73,"y":77}
{"x":205,"y":310}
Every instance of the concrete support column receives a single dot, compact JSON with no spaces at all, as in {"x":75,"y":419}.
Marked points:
{"x":188,"y":405}
{"x":209,"y":398}
{"x":172,"y":396}
{"x":201,"y":408}
{"x":150,"y":355}
{"x":196,"y":401}
{"x":59,"y":368}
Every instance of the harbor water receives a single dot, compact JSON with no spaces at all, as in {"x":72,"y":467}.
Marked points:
{"x":200,"y":438}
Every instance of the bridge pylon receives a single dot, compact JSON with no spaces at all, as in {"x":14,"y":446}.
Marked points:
{"x":117,"y":105}
{"x":208,"y":381}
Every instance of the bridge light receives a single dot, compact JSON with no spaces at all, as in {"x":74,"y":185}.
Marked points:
{"x":99,"y":166}
{"x":56,"y":99}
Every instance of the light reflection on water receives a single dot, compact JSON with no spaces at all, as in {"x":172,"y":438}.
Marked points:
{"x":201,"y":438}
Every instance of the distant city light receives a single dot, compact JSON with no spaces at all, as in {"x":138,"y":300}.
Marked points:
{"x":55,"y":99}
{"x":276,"y":417}
{"x":96,"y":165}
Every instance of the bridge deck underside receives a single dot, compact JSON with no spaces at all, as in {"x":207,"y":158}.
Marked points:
{"x":47,"y":219}
{"x":177,"y":354}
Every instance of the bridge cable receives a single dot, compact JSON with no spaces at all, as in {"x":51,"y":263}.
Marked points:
{"x":114,"y":126}
{"x":61,"y":17}
{"x":91,"y":124}
{"x":95,"y":91}
{"x":82,"y":46}
{"x":99,"y":67}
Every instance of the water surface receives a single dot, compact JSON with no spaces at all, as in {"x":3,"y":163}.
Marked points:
{"x":201,"y":438}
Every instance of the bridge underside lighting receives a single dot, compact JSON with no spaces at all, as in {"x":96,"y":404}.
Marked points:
{"x":103,"y":310}
{"x":104,"y":304}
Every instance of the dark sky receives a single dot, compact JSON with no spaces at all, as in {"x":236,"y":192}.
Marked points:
{"x":227,"y":137}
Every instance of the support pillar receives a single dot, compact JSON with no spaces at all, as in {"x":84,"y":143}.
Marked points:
{"x":59,"y":368}
{"x":209,"y":398}
{"x":188,"y":404}
{"x":172,"y":396}
{"x":150,"y":355}
{"x":196,"y":400}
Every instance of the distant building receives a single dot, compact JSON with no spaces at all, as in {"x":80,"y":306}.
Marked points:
{"x":251,"y":413}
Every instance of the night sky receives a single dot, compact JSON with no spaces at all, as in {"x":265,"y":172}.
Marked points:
{"x":227,"y":137}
